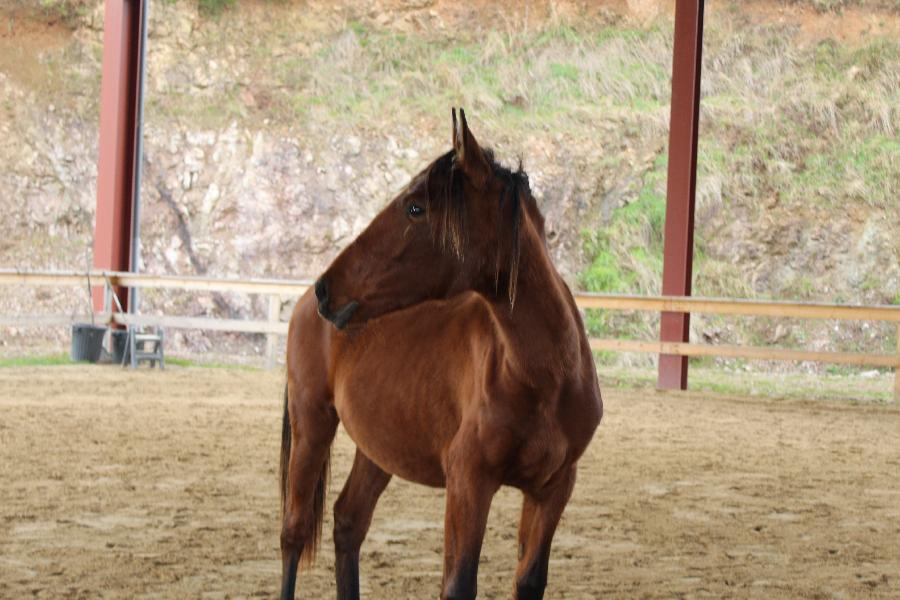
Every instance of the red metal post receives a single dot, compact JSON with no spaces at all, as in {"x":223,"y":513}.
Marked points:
{"x":118,"y":140}
{"x":678,"y":245}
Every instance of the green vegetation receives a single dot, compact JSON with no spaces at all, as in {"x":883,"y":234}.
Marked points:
{"x":187,"y":362}
{"x":36,"y":361}
{"x":63,"y":359}
{"x":69,"y":10}
{"x":564,"y":71}
{"x":603,"y":274}
{"x":799,"y":129}
{"x":65,"y":10}
{"x":863,"y":168}
{"x":791,"y":131}
{"x":836,"y":384}
{"x":214,"y":7}
{"x":627,"y":254}
{"x":824,"y":6}
{"x":365,"y":71}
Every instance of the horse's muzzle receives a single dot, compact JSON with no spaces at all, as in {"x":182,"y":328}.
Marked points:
{"x":339,"y":318}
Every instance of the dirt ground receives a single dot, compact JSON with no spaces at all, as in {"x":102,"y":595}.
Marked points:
{"x":163,"y":485}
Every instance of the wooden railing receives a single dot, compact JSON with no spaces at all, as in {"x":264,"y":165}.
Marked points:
{"x":278,"y":290}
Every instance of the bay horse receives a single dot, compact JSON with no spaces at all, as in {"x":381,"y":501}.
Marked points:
{"x":451,"y":349}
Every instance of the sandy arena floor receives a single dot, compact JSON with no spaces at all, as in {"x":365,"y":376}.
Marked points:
{"x":147,"y":485}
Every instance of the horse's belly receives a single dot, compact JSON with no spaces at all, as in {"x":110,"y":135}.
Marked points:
{"x":393,"y":437}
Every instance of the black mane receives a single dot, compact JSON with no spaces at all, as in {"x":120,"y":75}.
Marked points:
{"x":448,"y":215}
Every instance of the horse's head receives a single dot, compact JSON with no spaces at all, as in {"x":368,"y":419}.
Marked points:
{"x":454,"y":228}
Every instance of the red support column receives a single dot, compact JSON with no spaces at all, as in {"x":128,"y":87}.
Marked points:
{"x":119,"y":96}
{"x":678,"y":245}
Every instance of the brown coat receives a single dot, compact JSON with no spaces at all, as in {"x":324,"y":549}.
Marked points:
{"x":452,"y":351}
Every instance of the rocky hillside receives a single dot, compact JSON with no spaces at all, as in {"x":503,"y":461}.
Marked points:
{"x":275,"y":130}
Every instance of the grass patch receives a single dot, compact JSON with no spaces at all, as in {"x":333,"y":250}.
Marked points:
{"x":533,"y":78}
{"x":835,"y":385}
{"x":64,"y":359}
{"x":564,"y":71}
{"x":214,"y":7}
{"x":67,"y":11}
{"x":188,"y":362}
{"x":649,"y":209}
{"x":37,"y":361}
{"x":604,"y":274}
{"x":863,"y":169}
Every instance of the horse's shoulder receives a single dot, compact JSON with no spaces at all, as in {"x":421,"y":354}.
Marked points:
{"x":481,"y":315}
{"x":473,"y":300}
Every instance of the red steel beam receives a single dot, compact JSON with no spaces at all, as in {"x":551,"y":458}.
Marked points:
{"x":678,"y":244}
{"x":118,"y":141}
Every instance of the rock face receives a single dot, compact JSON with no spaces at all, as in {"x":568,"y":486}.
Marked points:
{"x":251,"y":170}
{"x":254,"y":202}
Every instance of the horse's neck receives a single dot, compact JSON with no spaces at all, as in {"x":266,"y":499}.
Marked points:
{"x":542,"y":325}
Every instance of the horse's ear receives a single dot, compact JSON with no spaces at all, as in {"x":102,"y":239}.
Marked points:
{"x":469,"y":155}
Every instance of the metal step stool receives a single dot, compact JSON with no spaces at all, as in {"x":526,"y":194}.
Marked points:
{"x":146,"y":346}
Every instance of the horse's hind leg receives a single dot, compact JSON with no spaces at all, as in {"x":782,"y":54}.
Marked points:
{"x":310,"y":425}
{"x":540,"y":516}
{"x":352,"y":517}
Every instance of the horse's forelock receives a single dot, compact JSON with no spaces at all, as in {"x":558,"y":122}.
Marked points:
{"x":448,"y":215}
{"x":446,"y":207}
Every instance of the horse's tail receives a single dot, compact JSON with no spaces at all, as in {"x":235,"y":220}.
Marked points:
{"x":307,"y":552}
{"x":285,"y":451}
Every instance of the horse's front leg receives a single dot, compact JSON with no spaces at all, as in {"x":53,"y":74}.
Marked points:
{"x":352,"y":517}
{"x":540,"y":516}
{"x":470,"y":488}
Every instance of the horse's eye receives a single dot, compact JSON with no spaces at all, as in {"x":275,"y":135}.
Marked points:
{"x":414,"y":210}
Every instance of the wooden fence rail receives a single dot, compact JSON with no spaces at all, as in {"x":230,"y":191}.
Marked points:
{"x":279,"y":289}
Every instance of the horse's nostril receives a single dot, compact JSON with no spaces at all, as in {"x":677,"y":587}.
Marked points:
{"x":321,"y":290}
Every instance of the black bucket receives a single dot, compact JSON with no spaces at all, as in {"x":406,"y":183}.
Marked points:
{"x":119,"y":345}
{"x":87,"y":342}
